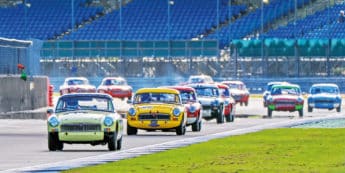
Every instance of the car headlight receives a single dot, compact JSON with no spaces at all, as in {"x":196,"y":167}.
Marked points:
{"x":338,"y":99}
{"x":192,"y":109}
{"x":131,"y":111}
{"x":53,"y":121}
{"x":108,"y":121}
{"x":176,"y":112}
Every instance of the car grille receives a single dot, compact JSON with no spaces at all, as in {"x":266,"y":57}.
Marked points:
{"x":154,"y":117}
{"x":205,"y":107}
{"x":80,"y":127}
{"x":324,"y":101}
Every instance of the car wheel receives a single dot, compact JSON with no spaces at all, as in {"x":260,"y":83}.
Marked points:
{"x":54,"y":142}
{"x":119,"y":144}
{"x":181,"y":129}
{"x":310,"y":109}
{"x":196,"y":127}
{"x":220,"y":117}
{"x":269,"y":113}
{"x":59,"y":145}
{"x":339,"y":109}
{"x":112,"y":142}
{"x":131,"y":130}
{"x":228,"y":118}
{"x":300,"y":113}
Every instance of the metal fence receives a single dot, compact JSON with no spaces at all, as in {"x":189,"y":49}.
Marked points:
{"x":12,"y":53}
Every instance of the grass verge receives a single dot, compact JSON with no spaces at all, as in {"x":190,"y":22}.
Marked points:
{"x":277,"y":150}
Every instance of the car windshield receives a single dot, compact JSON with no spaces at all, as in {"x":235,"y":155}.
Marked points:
{"x":77,"y":82}
{"x":236,"y":86}
{"x":224,"y":92}
{"x":207,"y":92}
{"x":73,"y":103}
{"x":285,"y":91}
{"x":156,"y":98}
{"x":187,"y":96}
{"x":114,"y":82}
{"x":328,"y":90}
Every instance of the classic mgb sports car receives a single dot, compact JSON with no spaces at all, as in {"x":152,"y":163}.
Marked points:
{"x":285,"y":97}
{"x":156,"y":109}
{"x":76,"y":85}
{"x":85,"y":118}
{"x":211,"y":101}
{"x":238,"y":91}
{"x":117,"y":87}
{"x":324,"y":96}
{"x":192,"y":105}
{"x":229,"y":102}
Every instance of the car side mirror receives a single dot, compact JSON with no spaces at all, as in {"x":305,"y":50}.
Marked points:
{"x":129,"y":101}
{"x":50,"y":111}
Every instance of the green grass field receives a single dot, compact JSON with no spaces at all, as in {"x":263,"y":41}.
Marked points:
{"x":276,"y":151}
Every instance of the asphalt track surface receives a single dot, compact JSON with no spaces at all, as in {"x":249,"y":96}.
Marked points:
{"x":23,"y":143}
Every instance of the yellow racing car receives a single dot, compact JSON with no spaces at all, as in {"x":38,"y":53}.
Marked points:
{"x":156,"y":109}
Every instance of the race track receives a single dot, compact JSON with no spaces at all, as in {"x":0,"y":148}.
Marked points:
{"x":24,"y":142}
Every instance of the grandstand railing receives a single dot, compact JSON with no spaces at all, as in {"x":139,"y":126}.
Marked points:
{"x":108,"y":49}
{"x":290,"y":47}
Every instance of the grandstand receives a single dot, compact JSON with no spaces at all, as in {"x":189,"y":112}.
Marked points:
{"x":278,"y":38}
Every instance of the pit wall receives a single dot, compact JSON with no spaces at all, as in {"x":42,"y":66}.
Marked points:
{"x":18,"y":95}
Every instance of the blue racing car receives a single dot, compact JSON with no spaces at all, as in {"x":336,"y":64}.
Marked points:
{"x":324,"y":96}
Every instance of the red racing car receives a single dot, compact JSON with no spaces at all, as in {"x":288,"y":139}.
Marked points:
{"x":76,"y":85}
{"x":192,"y":105}
{"x":239,"y":91}
{"x":229,"y":102}
{"x":117,"y":87}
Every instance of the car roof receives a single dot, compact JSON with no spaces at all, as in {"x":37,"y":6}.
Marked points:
{"x":86,"y":95}
{"x":286,"y":85}
{"x":157,"y":90}
{"x":116,"y":78}
{"x":76,"y":78}
{"x":180,"y":88}
{"x":325,"y":85}
{"x":232,"y":82}
{"x":277,"y":83}
{"x":203,"y":85}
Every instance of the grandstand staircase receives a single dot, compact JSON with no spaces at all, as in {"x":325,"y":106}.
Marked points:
{"x":109,"y":6}
{"x":229,"y":65}
{"x":228,"y":21}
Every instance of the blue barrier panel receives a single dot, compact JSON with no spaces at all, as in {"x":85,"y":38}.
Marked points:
{"x":91,"y":49}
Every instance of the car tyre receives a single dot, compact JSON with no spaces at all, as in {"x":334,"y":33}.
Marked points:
{"x":339,"y":109}
{"x":310,"y":109}
{"x":300,"y":113}
{"x":220,"y":117}
{"x":269,"y":113}
{"x":228,"y":118}
{"x":119,"y":144}
{"x":181,"y":129}
{"x":131,"y":130}
{"x":54,"y":143}
{"x":112,"y":142}
{"x":196,"y":127}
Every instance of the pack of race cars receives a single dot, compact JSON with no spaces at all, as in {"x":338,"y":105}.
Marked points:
{"x":86,"y":114}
